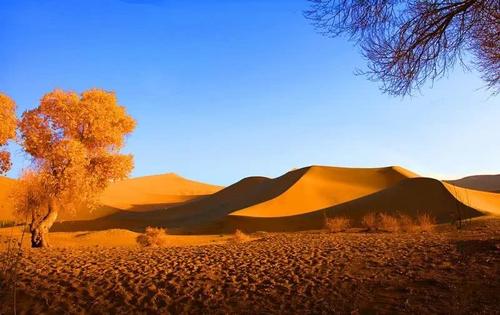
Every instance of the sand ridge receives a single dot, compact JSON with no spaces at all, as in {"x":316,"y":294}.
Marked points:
{"x":323,"y":186}
{"x":490,"y":183}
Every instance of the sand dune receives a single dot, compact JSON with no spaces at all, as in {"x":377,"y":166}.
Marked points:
{"x":489,"y":183}
{"x":145,"y":193}
{"x":135,"y":194}
{"x":321,"y":186}
{"x":411,"y":196}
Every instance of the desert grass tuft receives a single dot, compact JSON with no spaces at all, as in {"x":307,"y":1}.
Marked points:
{"x":240,"y":237}
{"x":337,"y":224}
{"x":369,"y":221}
{"x":407,"y":223}
{"x":152,"y":237}
{"x":426,"y":222}
{"x":388,"y":222}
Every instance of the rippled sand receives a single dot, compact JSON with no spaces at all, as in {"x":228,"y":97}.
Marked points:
{"x":307,"y":272}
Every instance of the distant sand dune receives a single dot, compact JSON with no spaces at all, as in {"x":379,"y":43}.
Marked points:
{"x":489,"y":183}
{"x":136,"y":194}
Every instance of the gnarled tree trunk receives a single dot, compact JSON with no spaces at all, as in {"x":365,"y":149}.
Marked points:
{"x":40,"y":228}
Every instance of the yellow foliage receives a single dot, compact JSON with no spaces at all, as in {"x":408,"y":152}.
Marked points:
{"x":75,"y":142}
{"x":7,"y":129}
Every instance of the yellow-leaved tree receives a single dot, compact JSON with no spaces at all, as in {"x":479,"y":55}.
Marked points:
{"x":7,"y":129}
{"x":74,"y":141}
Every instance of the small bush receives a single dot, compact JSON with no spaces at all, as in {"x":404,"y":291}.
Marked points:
{"x":426,"y":222}
{"x":152,"y":237}
{"x":337,"y":224}
{"x":240,"y":237}
{"x":406,"y":223}
{"x":369,"y":221}
{"x":388,"y":223}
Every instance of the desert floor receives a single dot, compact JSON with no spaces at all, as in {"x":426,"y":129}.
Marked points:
{"x":315,"y":272}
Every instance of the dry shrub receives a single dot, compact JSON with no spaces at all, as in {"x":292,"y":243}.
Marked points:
{"x":426,"y":222}
{"x":369,"y":221}
{"x":388,"y":223}
{"x":152,"y":237}
{"x":406,"y":223}
{"x":337,"y":224}
{"x":240,"y":237}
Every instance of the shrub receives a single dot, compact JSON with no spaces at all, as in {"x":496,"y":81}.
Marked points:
{"x":388,"y":223}
{"x":369,"y":221}
{"x":240,"y":237}
{"x":426,"y":222}
{"x":152,"y":237}
{"x":337,"y":224}
{"x":406,"y":223}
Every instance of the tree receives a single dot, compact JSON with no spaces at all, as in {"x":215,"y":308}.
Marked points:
{"x":408,"y":43}
{"x":75,"y":142}
{"x":7,"y":129}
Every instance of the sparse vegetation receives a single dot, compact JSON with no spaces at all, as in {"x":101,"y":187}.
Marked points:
{"x":407,"y":223}
{"x":369,"y":221}
{"x":153,"y":237}
{"x":426,"y":222}
{"x":240,"y":237}
{"x":402,"y":222}
{"x":387,"y":222}
{"x":337,"y":224}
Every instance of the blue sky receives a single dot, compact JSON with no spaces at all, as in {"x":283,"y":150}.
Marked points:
{"x":227,"y":89}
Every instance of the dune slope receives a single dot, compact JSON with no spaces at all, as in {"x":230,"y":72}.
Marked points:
{"x":411,"y":196}
{"x":322,"y":186}
{"x":489,"y":183}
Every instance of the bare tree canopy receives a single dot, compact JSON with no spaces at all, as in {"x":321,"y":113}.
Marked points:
{"x":408,"y":43}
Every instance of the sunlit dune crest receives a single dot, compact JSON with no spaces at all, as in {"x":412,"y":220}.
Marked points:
{"x":145,"y":193}
{"x":322,"y":186}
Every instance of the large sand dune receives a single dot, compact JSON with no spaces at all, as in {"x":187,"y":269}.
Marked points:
{"x":489,"y":183}
{"x":410,"y":196}
{"x":321,"y":186}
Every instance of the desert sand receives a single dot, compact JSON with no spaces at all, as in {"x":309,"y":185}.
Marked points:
{"x":442,"y":272}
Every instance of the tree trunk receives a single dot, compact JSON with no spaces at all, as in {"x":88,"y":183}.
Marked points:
{"x":40,"y":230}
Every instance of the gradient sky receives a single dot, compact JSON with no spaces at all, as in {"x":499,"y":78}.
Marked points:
{"x":226,"y":89}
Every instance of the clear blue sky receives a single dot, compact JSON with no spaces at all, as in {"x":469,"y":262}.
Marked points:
{"x":226,"y":89}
